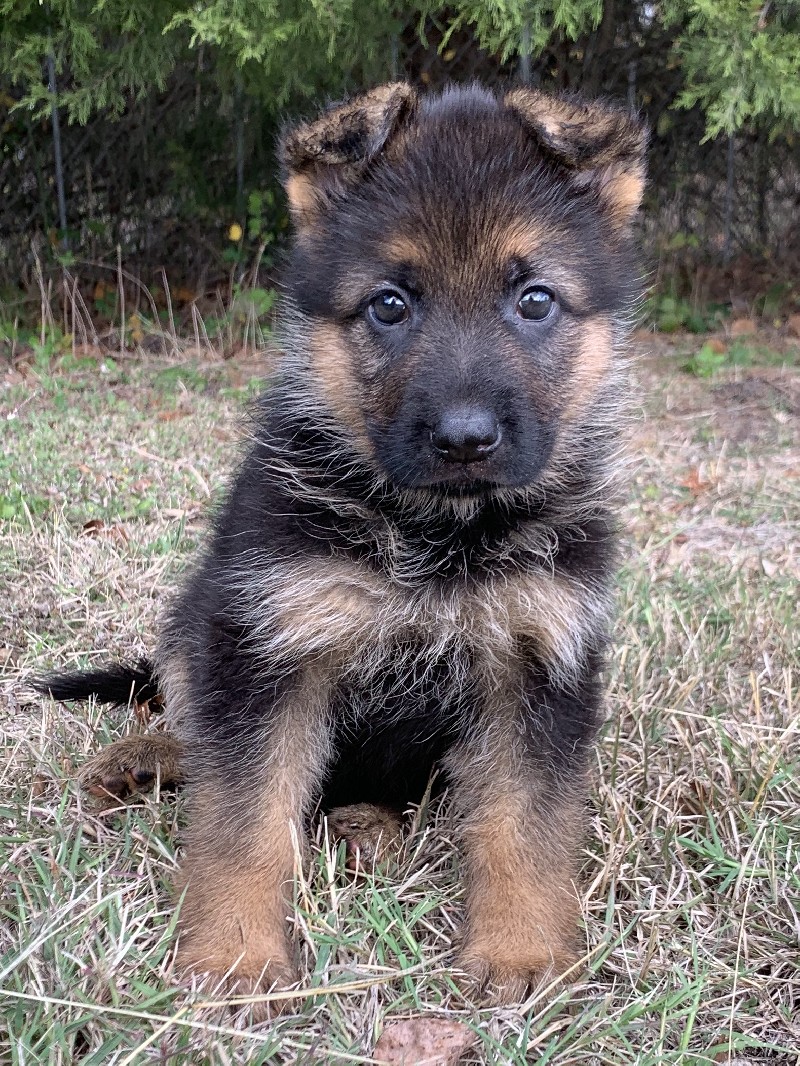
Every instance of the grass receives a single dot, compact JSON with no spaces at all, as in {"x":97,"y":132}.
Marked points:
{"x":692,"y":860}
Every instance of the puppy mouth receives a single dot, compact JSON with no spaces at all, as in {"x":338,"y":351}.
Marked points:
{"x":475,"y":478}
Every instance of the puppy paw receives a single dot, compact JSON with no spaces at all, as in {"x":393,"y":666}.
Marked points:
{"x":131,"y":765}
{"x":506,"y":979}
{"x":221,"y":976}
{"x":371,"y":833}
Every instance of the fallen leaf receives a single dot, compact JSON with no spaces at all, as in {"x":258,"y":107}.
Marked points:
{"x":424,"y":1041}
{"x":793,"y":325}
{"x":96,"y":527}
{"x":694,"y":484}
{"x":717,"y":346}
{"x":743,"y":327}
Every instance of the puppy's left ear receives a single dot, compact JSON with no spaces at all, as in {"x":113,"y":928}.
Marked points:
{"x":325,"y":158}
{"x":603,"y":145}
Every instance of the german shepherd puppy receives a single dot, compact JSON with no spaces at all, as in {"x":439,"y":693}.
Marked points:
{"x":413,"y":565}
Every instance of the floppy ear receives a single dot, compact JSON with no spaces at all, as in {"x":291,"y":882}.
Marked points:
{"x":602,"y":144}
{"x":324,"y":158}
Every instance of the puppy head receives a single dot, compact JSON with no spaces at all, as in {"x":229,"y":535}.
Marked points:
{"x":462,"y":268}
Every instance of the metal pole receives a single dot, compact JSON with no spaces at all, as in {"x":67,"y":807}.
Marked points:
{"x":525,"y":53}
{"x":727,"y":248}
{"x":632,"y":85}
{"x":59,"y":161}
{"x":239,"y":106}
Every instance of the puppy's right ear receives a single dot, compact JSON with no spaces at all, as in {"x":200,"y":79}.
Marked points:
{"x":324,"y":158}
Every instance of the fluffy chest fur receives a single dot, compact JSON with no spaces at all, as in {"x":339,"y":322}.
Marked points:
{"x":362,"y":618}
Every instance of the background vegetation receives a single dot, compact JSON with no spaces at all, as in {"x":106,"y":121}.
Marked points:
{"x":136,"y":138}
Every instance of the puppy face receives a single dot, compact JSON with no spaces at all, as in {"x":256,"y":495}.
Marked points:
{"x":459,"y":276}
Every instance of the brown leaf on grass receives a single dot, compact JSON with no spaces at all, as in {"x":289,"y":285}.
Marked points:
{"x":743,"y":327}
{"x":96,"y":527}
{"x":717,"y":346}
{"x":793,"y":325}
{"x":694,"y":483}
{"x":424,"y":1042}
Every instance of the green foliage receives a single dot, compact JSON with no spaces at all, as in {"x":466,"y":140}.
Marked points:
{"x":714,"y":356}
{"x":741,"y":61}
{"x":673,"y":314}
{"x":45,"y":342}
{"x":705,"y":362}
{"x":498,"y":24}
{"x":249,"y":308}
{"x":740,"y":58}
{"x":185,"y":99}
{"x":113,"y":50}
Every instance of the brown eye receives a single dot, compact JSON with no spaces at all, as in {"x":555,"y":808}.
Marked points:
{"x":535,"y":304}
{"x":389,"y":308}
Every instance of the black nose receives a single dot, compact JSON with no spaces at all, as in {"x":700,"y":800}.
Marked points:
{"x":466,"y":434}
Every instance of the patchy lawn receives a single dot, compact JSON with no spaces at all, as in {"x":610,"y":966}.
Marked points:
{"x":692,"y":860}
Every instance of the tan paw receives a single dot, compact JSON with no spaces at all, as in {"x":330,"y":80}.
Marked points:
{"x":237,"y":979}
{"x":371,"y":833}
{"x":133,"y":764}
{"x":503,"y":980}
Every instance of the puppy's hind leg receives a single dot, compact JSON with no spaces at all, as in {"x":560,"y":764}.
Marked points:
{"x":133,"y":764}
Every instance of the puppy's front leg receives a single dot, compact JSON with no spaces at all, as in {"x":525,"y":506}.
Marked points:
{"x":521,"y":822}
{"x":247,"y":809}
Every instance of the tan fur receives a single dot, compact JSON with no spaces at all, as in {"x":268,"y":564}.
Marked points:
{"x":336,"y":608}
{"x":239,"y":866}
{"x":174,"y":673}
{"x":331,"y":361}
{"x":523,"y":239}
{"x":404,"y":250}
{"x":622,"y":192}
{"x":371,"y":833}
{"x":519,"y":850}
{"x":303,"y":199}
{"x":591,"y":366}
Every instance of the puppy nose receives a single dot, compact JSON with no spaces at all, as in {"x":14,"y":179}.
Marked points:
{"x":466,"y":434}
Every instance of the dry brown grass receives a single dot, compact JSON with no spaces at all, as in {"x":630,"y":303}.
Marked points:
{"x":692,"y":863}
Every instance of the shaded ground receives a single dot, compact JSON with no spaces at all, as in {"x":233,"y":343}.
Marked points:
{"x":692,"y":862}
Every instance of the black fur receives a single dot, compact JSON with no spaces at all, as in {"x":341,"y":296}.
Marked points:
{"x":118,"y":683}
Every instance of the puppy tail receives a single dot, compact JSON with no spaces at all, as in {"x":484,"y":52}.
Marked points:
{"x":118,"y":683}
